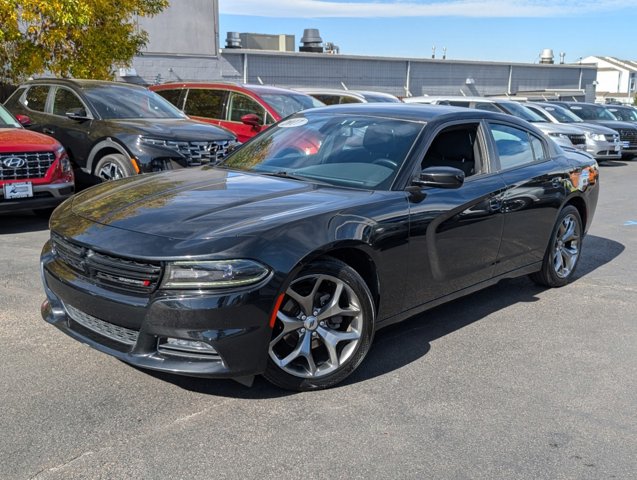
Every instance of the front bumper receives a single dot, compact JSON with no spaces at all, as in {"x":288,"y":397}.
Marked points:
{"x":132,"y":328}
{"x":44,"y":196}
{"x":603,"y":150}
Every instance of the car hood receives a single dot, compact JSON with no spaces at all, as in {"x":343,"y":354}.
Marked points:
{"x":21,"y":140}
{"x":615,"y":124}
{"x":548,"y":127}
{"x":207,"y":202}
{"x":595,"y":128}
{"x":171,"y":129}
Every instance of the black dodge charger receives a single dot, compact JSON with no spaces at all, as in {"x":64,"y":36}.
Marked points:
{"x":287,"y":257}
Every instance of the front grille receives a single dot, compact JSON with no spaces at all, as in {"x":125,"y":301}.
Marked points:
{"x":612,"y":137}
{"x":106,"y":329}
{"x":629,"y":136}
{"x":196,"y":153}
{"x":36,"y":164}
{"x":577,"y":139}
{"x":115,"y":273}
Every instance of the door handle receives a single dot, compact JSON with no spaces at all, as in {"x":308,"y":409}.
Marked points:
{"x":48,"y":131}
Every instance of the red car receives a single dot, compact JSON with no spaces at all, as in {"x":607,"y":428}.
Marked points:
{"x":243,"y":109}
{"x":35,"y":171}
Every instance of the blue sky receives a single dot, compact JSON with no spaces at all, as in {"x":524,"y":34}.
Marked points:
{"x":492,"y":30}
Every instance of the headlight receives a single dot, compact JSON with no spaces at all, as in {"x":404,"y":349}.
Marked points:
{"x":558,"y":135}
{"x":598,"y":137}
{"x":213,"y":274}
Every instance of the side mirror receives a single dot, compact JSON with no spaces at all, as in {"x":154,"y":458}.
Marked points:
{"x":251,"y":119}
{"x":77,"y":114}
{"x":24,"y":120}
{"x":440,"y":177}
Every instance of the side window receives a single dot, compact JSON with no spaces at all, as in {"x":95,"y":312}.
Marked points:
{"x":65,"y":101}
{"x":513,"y":146}
{"x":457,"y":146}
{"x":327,"y":99}
{"x":489,"y":107}
{"x":346,"y":99}
{"x":538,"y":149}
{"x":35,"y":99}
{"x":174,"y":96}
{"x":241,"y":105}
{"x":206,"y":103}
{"x":458,"y":103}
{"x":269,"y":119}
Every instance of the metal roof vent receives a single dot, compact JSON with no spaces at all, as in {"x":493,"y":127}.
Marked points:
{"x":546,"y":56}
{"x":311,"y":41}
{"x":233,"y":40}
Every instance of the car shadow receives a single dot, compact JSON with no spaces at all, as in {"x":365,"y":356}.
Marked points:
{"x":21,"y":223}
{"x":612,"y":163}
{"x":399,"y":345}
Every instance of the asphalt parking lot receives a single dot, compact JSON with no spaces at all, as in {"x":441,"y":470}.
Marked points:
{"x":514,"y":382}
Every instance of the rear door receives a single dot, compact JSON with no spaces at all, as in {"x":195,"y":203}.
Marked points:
{"x":239,"y":105}
{"x":535,"y":190}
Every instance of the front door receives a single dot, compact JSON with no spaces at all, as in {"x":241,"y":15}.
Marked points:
{"x":455,"y":233}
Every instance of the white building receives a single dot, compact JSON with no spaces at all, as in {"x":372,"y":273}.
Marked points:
{"x":616,"y":79}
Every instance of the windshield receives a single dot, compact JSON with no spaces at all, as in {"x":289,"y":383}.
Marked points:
{"x":342,"y":150}
{"x":590,"y":112}
{"x":625,"y":114}
{"x":122,"y":101}
{"x":562,"y":115}
{"x":286,"y":104}
{"x":6,"y":119}
{"x":520,"y":111}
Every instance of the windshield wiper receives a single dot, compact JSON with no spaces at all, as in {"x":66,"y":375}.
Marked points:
{"x":292,"y":176}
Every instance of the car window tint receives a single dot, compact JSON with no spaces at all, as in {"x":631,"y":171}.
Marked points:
{"x":456,"y":147}
{"x":489,"y":107}
{"x":327,"y":99}
{"x":539,"y":153}
{"x":346,"y":99}
{"x":269,"y":119}
{"x":65,"y":101}
{"x":35,"y":98}
{"x":513,"y":146}
{"x":173,"y":96}
{"x":205,"y":103}
{"x":241,"y":105}
{"x":540,"y":113}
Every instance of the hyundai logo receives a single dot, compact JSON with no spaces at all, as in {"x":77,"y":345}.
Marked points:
{"x":14,"y":162}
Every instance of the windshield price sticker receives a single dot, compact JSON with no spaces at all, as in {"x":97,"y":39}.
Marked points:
{"x":18,"y":190}
{"x":293,"y":122}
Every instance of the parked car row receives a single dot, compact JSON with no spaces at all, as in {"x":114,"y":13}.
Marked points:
{"x":586,"y":126}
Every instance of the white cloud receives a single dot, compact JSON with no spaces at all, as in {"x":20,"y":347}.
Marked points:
{"x":414,"y":8}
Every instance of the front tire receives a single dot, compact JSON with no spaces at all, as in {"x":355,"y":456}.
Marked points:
{"x":324,"y":328}
{"x":564,"y":250}
{"x":113,"y":167}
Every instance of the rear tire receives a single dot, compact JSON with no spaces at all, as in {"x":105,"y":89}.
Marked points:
{"x":113,"y":167}
{"x":563,"y":252}
{"x":323,"y":330}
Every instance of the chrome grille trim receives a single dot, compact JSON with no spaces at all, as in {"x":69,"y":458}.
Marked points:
{"x":106,"y":329}
{"x":627,"y":135}
{"x":115,"y":273}
{"x":577,"y":139}
{"x":196,"y":153}
{"x":36,"y":165}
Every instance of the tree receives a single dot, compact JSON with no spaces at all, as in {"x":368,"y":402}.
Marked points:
{"x":77,"y":38}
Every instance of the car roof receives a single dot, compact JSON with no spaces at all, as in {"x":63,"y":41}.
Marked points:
{"x":80,"y":83}
{"x":432,"y":98}
{"x":258,"y":89}
{"x":415,"y":112}
{"x":330,"y":91}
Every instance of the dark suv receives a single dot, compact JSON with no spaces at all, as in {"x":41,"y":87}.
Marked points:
{"x":114,"y":130}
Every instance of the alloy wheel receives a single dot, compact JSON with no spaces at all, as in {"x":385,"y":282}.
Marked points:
{"x":567,"y":246}
{"x":318,"y":327}
{"x":111,"y":171}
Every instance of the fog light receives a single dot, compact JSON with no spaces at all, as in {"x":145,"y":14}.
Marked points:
{"x":179,"y":345}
